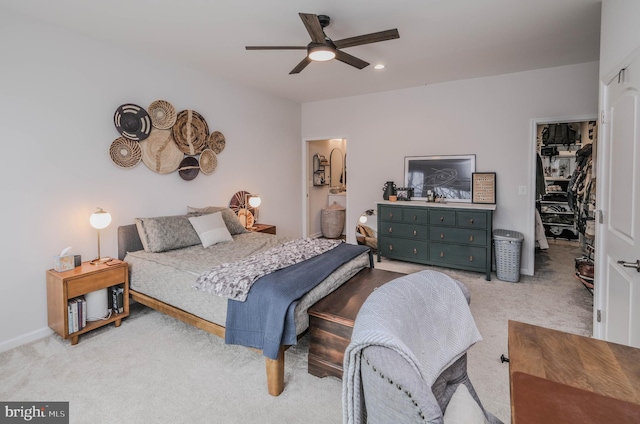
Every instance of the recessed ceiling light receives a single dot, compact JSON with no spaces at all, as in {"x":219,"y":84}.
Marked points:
{"x":379,"y":66}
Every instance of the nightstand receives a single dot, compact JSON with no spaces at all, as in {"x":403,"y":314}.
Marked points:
{"x":263,"y":228}
{"x":62,"y":286}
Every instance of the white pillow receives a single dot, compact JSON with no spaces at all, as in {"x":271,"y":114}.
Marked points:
{"x":463,"y":408}
{"x":211,"y":229}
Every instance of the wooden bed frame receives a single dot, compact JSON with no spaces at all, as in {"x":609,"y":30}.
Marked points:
{"x":275,"y":367}
{"x":129,"y":241}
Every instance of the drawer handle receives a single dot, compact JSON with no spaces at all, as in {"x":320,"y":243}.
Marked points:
{"x":441,"y":235}
{"x":470,"y":238}
{"x":471,"y":258}
{"x":415,"y":217}
{"x":390,"y":230}
{"x":391,"y":247}
{"x":442,"y":219}
{"x":415,"y":233}
{"x":390,"y":214}
{"x":442,"y":254}
{"x":415,"y":251}
{"x":471,"y":221}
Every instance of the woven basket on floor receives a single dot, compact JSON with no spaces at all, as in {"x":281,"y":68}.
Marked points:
{"x":332,"y":221}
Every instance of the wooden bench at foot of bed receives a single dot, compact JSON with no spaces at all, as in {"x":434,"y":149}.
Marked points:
{"x":275,"y":367}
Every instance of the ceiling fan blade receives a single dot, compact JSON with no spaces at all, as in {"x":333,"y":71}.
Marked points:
{"x":276,"y":47}
{"x":374,"y":37}
{"x":300,"y":66}
{"x":313,"y":26}
{"x":351,"y":60}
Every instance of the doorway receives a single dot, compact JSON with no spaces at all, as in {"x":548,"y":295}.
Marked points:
{"x":325,"y":181}
{"x":565,"y":194}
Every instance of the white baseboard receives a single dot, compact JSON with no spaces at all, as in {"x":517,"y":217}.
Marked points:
{"x":24,"y":339}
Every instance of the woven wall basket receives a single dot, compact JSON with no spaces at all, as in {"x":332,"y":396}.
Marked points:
{"x":189,"y":168}
{"x":216,"y":142}
{"x":208,"y":161}
{"x":160,"y":153}
{"x":125,"y":153}
{"x":190,"y":132}
{"x":132,"y":122}
{"x":163,"y":114}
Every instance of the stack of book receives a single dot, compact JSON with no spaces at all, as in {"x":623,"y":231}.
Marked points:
{"x":77,"y":311}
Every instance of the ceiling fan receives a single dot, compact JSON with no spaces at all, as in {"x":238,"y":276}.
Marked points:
{"x":322,"y":48}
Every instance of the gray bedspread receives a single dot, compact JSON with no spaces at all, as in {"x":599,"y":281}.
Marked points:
{"x":265,"y":320}
{"x":169,"y":276}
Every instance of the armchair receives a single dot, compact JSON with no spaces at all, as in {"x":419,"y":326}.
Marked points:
{"x":407,"y":357}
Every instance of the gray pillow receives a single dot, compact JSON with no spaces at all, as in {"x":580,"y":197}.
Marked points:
{"x":230,"y":218}
{"x":162,"y":233}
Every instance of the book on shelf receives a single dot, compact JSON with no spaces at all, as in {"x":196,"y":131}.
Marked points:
{"x":77,"y":314}
{"x":117,"y":301}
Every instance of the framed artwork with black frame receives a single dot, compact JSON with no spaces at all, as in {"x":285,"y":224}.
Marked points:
{"x":483,"y":187}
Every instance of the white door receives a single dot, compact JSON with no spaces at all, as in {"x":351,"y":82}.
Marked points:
{"x":617,"y":291}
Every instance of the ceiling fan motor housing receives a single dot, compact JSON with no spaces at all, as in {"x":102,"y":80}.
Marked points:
{"x":324,"y":20}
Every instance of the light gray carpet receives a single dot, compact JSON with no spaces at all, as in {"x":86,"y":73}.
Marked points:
{"x":157,"y":369}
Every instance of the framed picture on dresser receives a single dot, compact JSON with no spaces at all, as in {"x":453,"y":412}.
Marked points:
{"x":447,"y":176}
{"x":484,"y":187}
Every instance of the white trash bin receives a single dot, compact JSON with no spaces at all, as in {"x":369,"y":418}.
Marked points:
{"x":508,"y":247}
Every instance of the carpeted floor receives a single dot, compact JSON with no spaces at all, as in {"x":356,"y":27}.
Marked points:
{"x":157,"y":369}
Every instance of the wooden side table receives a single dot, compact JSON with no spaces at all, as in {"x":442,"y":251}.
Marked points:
{"x":567,"y":378}
{"x":62,"y":286}
{"x":264,"y":228}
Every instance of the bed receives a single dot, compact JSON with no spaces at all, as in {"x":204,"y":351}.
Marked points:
{"x":166,"y":258}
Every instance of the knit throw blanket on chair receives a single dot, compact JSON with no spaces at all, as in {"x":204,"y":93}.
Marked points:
{"x":424,"y":317}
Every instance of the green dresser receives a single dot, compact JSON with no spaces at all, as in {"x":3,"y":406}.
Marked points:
{"x":448,"y":235}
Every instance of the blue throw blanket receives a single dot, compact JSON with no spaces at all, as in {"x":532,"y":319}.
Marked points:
{"x":265,"y":320}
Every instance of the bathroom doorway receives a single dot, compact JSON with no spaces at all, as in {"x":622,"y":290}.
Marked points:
{"x":325,"y":181}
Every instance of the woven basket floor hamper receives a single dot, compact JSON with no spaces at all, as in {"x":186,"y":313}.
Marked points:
{"x":332,"y":221}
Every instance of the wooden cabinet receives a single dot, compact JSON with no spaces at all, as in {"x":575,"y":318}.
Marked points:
{"x":448,"y":235}
{"x":62,"y":286}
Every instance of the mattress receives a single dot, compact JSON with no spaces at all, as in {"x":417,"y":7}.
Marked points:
{"x":170,"y":276}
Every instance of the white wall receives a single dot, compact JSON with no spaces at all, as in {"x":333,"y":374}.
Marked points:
{"x":58,"y":93}
{"x":489,"y":117}
{"x":619,"y":33}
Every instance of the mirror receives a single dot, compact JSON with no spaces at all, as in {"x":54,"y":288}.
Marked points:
{"x":367,"y":229}
{"x":336,"y":170}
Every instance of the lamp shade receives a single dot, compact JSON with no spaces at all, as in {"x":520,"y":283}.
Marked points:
{"x":100,"y":219}
{"x":254,"y":201}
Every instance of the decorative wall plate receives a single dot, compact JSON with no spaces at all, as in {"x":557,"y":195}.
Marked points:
{"x":208,"y":161}
{"x":189,"y":168}
{"x":163,"y":114}
{"x":125,"y":153}
{"x":190,"y":132}
{"x":216,"y":142}
{"x":160,"y":153}
{"x":132,"y":121}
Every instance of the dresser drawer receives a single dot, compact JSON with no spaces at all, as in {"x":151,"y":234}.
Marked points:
{"x":459,"y":235}
{"x":412,"y":231}
{"x":390,"y":213}
{"x":92,"y":282}
{"x":442,"y":217}
{"x":402,"y":248}
{"x":451,"y":254}
{"x":415,"y":215}
{"x":472,"y":219}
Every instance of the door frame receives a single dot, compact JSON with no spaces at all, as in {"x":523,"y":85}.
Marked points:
{"x":533,"y":149}
{"x":307,"y":183}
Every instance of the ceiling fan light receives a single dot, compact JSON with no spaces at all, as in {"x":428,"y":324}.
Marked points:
{"x":321,"y":53}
